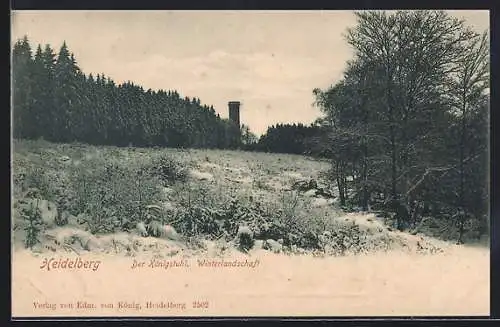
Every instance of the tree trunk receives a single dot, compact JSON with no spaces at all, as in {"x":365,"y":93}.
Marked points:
{"x":340,"y":184}
{"x":392,"y":135}
{"x":364,"y":180}
{"x":461,"y":197}
{"x":364,"y":169}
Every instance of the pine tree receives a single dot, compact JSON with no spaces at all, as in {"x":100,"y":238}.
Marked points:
{"x":23,"y":121}
{"x":48,"y":86}
{"x":66,"y":96}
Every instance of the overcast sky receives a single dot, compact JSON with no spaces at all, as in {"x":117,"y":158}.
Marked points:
{"x":270,"y":61}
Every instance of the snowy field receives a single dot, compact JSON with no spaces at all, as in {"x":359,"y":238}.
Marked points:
{"x":144,"y":275}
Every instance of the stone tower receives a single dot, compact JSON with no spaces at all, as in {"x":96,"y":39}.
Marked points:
{"x":234,"y":112}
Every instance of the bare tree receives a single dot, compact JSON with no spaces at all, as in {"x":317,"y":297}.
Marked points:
{"x":416,"y":51}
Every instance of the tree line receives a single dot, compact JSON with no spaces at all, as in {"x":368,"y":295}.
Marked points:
{"x":407,"y":126}
{"x":54,"y":100}
{"x":293,"y":138}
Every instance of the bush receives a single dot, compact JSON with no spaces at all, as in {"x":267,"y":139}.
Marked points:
{"x":273,"y":230}
{"x":36,"y":178}
{"x":197,"y":220}
{"x":33,"y":217}
{"x":309,"y":240}
{"x":167,"y":170}
{"x":446,"y":227}
{"x":245,"y":238}
{"x":113,"y":197}
{"x":196,"y":215}
{"x":288,"y":211}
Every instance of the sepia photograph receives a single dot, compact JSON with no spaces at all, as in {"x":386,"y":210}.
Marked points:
{"x":250,"y":163}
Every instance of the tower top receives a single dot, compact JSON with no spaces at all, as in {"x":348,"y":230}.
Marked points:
{"x":234,"y":112}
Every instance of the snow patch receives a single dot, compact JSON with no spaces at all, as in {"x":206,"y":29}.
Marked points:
{"x":294,"y":175}
{"x":201,"y":176}
{"x":211,"y":166}
{"x":320,"y":202}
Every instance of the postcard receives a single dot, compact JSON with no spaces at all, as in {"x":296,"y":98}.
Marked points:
{"x":250,"y":163}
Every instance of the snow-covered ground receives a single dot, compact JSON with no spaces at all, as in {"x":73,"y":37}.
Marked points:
{"x":402,"y":281}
